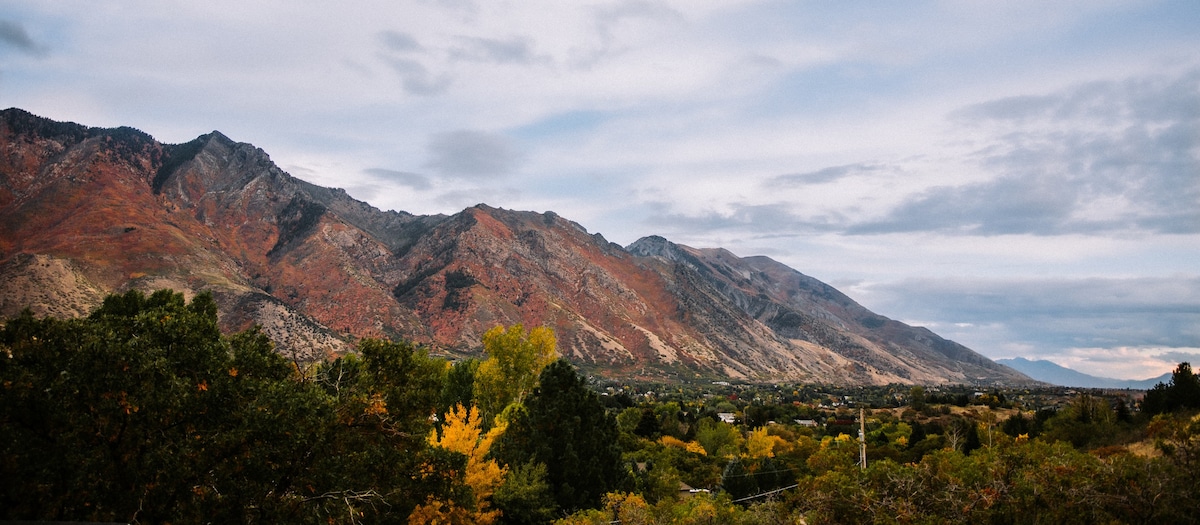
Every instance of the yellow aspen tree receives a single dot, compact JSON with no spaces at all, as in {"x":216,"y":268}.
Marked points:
{"x":761,"y":445}
{"x":672,"y":441}
{"x":462,"y":434}
{"x":515,"y":360}
{"x":690,"y":446}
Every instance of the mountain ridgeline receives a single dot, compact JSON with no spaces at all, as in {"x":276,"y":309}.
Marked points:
{"x":1054,"y":374}
{"x":89,"y":211}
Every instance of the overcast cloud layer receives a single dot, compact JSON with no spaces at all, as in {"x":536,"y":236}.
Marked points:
{"x":1022,"y":177}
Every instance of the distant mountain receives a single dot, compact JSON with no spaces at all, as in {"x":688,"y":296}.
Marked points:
{"x":89,"y":211}
{"x":1055,"y":374}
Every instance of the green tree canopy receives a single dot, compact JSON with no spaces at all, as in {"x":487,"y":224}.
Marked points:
{"x":564,"y":427}
{"x":460,"y":384}
{"x":144,"y":413}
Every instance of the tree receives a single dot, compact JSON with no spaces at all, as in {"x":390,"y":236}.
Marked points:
{"x":382,"y":400}
{"x":78,"y":399}
{"x":761,"y":445}
{"x":647,"y":425}
{"x":525,"y":497}
{"x":511,"y":369}
{"x":1183,"y":391}
{"x":738,"y":479}
{"x":1088,"y":421}
{"x":970,"y":436}
{"x":917,"y":398}
{"x":462,"y":434}
{"x":460,"y":385}
{"x":145,"y":412}
{"x":1017,"y":425}
{"x":564,"y":426}
{"x":718,"y":438}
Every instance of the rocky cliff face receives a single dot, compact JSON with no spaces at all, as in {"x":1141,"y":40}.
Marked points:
{"x":88,"y":211}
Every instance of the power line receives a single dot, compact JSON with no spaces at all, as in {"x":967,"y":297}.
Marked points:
{"x":767,"y":493}
{"x":758,"y":473}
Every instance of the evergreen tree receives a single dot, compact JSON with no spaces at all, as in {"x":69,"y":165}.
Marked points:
{"x":917,"y":435}
{"x":738,"y":480}
{"x":647,"y":426}
{"x":525,"y":497}
{"x":460,"y":387}
{"x":1183,"y":391}
{"x":971,"y":441}
{"x":564,"y":426}
{"x":1017,"y":425}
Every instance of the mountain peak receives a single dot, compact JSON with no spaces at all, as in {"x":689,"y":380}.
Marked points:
{"x":318,"y":269}
{"x":654,"y":246}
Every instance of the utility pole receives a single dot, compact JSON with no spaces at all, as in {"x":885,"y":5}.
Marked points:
{"x":862,"y":439}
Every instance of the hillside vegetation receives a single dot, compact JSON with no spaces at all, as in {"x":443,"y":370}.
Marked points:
{"x":144,"y":412}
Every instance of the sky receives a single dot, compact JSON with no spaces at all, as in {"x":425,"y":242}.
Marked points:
{"x":1022,"y":177}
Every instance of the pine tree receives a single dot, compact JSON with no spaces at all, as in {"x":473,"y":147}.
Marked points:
{"x":563,"y":425}
{"x":1183,"y":391}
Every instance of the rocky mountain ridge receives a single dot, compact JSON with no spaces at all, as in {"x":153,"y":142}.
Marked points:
{"x":1055,"y":374}
{"x":89,"y":211}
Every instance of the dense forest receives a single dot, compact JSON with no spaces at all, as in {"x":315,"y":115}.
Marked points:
{"x":144,"y":412}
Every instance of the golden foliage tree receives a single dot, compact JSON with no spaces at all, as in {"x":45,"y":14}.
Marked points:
{"x":462,"y":434}
{"x":690,"y":446}
{"x":515,"y":359}
{"x":761,"y":445}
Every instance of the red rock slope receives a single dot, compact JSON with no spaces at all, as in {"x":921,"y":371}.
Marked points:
{"x":89,"y":211}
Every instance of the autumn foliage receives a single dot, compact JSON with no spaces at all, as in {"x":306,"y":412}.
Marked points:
{"x":144,"y":412}
{"x":514,"y":360}
{"x":462,"y":434}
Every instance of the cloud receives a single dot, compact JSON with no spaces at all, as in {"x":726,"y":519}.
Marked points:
{"x":1050,"y":315}
{"x":824,"y":175}
{"x":402,"y":52}
{"x":397,"y":41}
{"x":609,"y":20}
{"x":1095,"y":159}
{"x":751,"y":219}
{"x":1159,"y":98}
{"x":513,"y":50}
{"x":412,"y":180}
{"x":1178,"y":357}
{"x":1122,"y":328}
{"x":1125,"y":362}
{"x":417,"y":79}
{"x":566,"y":124}
{"x":460,"y":199}
{"x":14,"y":35}
{"x":608,"y":17}
{"x":1110,"y":156}
{"x":468,"y":6}
{"x":472,"y":154}
{"x":1038,"y":205}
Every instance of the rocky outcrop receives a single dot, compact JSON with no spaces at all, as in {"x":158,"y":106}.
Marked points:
{"x":89,"y":211}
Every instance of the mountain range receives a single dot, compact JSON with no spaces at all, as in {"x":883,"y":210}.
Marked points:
{"x":88,"y":211}
{"x":1055,"y":374}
